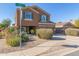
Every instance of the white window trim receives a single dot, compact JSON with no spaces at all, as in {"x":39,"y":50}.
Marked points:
{"x":44,"y":17}
{"x":29,"y":14}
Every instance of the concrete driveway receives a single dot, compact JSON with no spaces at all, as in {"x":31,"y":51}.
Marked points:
{"x":59,"y":45}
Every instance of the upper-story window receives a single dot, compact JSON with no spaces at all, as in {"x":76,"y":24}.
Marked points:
{"x":43,"y":18}
{"x":27,"y":15}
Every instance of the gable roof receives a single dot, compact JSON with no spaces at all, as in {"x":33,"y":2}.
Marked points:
{"x":29,"y":7}
{"x":59,"y":24}
{"x":68,"y":24}
{"x":35,"y":9}
{"x":38,"y":8}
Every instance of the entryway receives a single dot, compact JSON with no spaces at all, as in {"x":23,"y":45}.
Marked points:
{"x":32,"y":29}
{"x":29,"y":29}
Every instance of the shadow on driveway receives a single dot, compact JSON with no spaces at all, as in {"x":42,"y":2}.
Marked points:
{"x":57,"y":38}
{"x":71,"y":46}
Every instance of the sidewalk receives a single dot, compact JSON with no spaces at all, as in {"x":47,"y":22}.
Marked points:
{"x":50,"y":48}
{"x":33,"y":51}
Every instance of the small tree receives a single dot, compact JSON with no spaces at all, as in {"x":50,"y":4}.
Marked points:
{"x":2,"y":26}
{"x":77,"y":23}
{"x":5,"y":23}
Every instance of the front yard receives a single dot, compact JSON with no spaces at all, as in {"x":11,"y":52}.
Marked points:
{"x":44,"y":47}
{"x":43,"y":43}
{"x":34,"y":41}
{"x":56,"y":43}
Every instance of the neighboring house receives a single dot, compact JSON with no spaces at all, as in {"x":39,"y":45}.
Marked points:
{"x":33,"y":17}
{"x":61,"y":26}
{"x":68,"y":25}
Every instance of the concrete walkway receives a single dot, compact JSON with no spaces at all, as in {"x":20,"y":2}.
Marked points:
{"x":35,"y":50}
{"x":75,"y":53}
{"x":58,"y":47}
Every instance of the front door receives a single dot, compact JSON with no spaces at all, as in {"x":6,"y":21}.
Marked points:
{"x":31,"y":30}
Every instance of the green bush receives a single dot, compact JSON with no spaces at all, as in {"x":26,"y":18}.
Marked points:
{"x":11,"y":29}
{"x":44,"y":33}
{"x":24,"y":37}
{"x":13,"y":41}
{"x":12,"y":38}
{"x":72,"y":32}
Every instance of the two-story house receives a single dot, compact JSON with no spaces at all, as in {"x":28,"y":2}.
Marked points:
{"x":33,"y":17}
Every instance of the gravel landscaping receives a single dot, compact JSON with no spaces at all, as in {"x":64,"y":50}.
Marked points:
{"x":34,"y":41}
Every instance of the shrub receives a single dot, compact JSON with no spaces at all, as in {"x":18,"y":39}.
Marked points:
{"x":77,"y":23}
{"x":7,"y":32}
{"x":72,"y":32}
{"x":13,"y":41}
{"x":0,"y":35}
{"x":24,"y":37}
{"x":44,"y":33}
{"x":11,"y":29}
{"x":12,"y":38}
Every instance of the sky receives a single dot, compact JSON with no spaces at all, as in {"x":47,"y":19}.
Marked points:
{"x":59,"y":12}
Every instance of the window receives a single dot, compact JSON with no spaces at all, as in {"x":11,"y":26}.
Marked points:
{"x":43,"y":18}
{"x":27,"y":15}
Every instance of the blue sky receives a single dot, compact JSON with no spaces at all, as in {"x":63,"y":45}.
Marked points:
{"x":58,"y":11}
